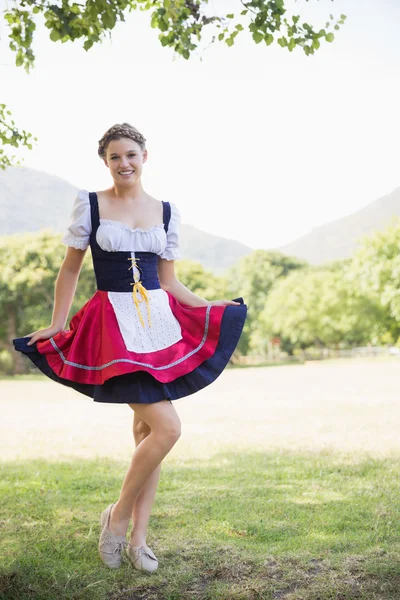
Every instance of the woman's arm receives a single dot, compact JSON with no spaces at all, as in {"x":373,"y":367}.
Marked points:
{"x":65,"y":285}
{"x":64,"y":292}
{"x":170,"y":283}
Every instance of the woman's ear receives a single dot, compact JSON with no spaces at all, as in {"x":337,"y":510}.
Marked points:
{"x":105,"y":162}
{"x":144,"y":156}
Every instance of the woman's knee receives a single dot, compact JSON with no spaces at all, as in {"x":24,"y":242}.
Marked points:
{"x":167,"y":428}
{"x":162,"y":419}
{"x":171,"y":430}
{"x":140,"y":427}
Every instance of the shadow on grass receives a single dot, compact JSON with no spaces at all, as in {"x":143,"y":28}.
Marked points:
{"x":250,"y":525}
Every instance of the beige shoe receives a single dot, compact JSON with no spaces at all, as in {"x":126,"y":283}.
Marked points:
{"x":142,"y":558}
{"x":110,"y":545}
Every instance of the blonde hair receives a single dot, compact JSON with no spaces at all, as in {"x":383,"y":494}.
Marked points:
{"x":118,"y":131}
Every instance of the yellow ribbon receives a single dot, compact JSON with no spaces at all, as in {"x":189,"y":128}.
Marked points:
{"x":138,"y":287}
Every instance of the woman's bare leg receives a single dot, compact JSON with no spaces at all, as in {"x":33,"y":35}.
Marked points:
{"x":165,"y":430}
{"x":145,"y":499}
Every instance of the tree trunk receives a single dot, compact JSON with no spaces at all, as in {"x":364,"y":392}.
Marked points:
{"x":19,"y":363}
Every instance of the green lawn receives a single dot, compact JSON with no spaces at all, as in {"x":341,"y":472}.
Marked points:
{"x":248,"y":524}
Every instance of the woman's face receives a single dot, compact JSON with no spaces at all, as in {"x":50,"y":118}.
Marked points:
{"x":125,"y":160}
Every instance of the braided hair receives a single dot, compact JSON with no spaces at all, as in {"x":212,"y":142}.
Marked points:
{"x":116,"y":132}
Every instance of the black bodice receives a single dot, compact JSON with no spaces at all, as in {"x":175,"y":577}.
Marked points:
{"x":113,"y":270}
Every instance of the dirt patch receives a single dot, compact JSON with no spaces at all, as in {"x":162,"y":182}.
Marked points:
{"x":143,"y":592}
{"x":13,"y":588}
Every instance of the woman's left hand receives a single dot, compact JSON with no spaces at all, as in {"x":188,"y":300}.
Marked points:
{"x":223,"y":303}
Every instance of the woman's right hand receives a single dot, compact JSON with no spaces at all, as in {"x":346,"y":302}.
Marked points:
{"x":43,"y":334}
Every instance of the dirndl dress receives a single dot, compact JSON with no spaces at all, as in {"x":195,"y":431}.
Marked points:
{"x":132,"y":341}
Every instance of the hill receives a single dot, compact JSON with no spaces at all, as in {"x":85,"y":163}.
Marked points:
{"x":338,"y":239}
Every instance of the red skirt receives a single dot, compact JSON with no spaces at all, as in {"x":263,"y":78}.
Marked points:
{"x":91,"y":356}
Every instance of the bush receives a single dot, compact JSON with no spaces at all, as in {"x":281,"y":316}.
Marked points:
{"x":6,"y":363}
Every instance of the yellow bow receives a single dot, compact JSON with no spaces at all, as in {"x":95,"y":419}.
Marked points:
{"x":138,"y":287}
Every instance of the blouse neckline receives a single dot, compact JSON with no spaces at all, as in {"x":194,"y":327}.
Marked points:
{"x":122,"y":225}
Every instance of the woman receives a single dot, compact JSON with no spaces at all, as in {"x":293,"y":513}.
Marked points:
{"x":143,"y":339}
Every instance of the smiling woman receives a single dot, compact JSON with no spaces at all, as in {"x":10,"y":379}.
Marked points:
{"x":147,"y":322}
{"x":143,"y":339}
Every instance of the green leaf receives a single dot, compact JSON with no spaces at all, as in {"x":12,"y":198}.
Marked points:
{"x":55,"y":35}
{"x":269,"y":38}
{"x":165,"y":41}
{"x":230,"y":16}
{"x":258,"y":37}
{"x":329,"y":37}
{"x":109,"y":19}
{"x":154,"y":20}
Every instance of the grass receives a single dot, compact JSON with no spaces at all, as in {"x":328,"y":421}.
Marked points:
{"x":24,"y":377}
{"x":238,"y":525}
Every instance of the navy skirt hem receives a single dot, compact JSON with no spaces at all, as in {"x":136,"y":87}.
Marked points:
{"x":140,"y":386}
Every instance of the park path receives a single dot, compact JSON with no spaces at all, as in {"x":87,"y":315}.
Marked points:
{"x":343,"y":406}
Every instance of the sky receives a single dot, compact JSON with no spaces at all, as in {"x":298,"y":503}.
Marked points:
{"x":251,"y":142}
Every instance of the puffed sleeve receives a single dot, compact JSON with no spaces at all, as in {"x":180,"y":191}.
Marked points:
{"x":78,"y":232}
{"x":172,"y":251}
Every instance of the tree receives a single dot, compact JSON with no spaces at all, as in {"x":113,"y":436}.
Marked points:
{"x":200,"y":281}
{"x":375,"y":270}
{"x":182,"y":25}
{"x":29,"y":264}
{"x":321,"y":306}
{"x":10,"y":135}
{"x":253,"y":277}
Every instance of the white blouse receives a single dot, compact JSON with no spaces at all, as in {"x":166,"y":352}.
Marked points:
{"x":116,"y":236}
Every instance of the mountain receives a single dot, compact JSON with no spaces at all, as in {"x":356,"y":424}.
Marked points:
{"x":338,"y":239}
{"x":31,"y":200}
{"x":214,"y":252}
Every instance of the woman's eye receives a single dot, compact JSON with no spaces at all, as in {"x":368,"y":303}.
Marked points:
{"x":132,"y":155}
{"x":112,"y":158}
